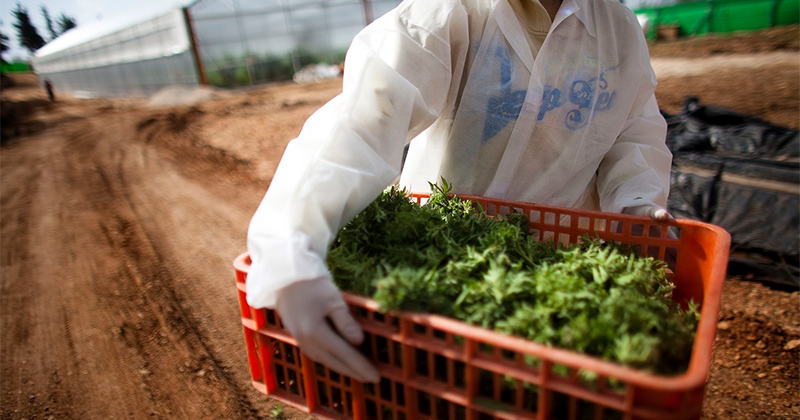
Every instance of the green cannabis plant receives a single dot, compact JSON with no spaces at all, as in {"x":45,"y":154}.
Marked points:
{"x":447,"y":257}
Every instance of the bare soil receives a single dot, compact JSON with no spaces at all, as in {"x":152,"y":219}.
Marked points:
{"x":120,"y":221}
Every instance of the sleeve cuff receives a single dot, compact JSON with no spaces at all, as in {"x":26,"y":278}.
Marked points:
{"x":277,"y":263}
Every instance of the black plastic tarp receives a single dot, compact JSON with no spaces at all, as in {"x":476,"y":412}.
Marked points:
{"x":755,"y":216}
{"x":743,"y":174}
{"x":711,"y":128}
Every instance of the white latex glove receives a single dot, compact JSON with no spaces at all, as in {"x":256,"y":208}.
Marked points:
{"x":304,"y":306}
{"x":654,"y":212}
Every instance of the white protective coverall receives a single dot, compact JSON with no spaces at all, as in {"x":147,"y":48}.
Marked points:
{"x":574,"y":124}
{"x":570,"y":122}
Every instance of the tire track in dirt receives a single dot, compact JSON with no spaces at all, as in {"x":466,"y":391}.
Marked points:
{"x":112,"y":337}
{"x":195,"y":237}
{"x":152,"y":274}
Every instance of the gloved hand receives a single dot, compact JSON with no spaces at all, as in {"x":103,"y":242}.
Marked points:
{"x":304,"y":307}
{"x":654,"y":212}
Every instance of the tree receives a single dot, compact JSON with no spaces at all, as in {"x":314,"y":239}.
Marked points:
{"x":3,"y":45}
{"x":63,"y":24}
{"x":49,"y":23}
{"x":27,"y":34}
{"x":66,"y":23}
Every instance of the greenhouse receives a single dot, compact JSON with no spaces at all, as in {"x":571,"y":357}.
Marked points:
{"x":224,"y":43}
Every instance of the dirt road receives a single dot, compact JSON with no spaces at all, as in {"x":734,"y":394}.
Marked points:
{"x":119,"y":224}
{"x":116,"y":277}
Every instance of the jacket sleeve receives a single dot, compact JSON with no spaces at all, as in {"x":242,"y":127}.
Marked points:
{"x":636,"y":169}
{"x":397,"y":78}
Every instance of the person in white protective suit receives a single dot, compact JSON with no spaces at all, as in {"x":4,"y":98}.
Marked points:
{"x":545,"y":102}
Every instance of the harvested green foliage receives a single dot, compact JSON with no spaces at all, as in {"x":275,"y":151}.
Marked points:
{"x":445,"y":257}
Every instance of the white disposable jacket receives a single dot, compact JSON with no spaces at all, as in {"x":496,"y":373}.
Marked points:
{"x":575,"y":126}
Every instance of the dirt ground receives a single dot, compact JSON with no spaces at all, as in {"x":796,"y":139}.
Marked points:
{"x":120,"y":221}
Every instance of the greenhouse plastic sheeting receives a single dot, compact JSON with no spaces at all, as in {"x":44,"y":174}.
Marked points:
{"x":105,"y":60}
{"x":254,"y":41}
{"x":83,"y":48}
{"x":140,"y":78}
{"x":743,"y":174}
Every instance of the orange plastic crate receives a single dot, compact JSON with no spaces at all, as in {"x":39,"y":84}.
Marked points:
{"x":433,"y":367}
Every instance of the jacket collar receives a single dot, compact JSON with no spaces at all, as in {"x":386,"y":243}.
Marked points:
{"x":582,"y":9}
